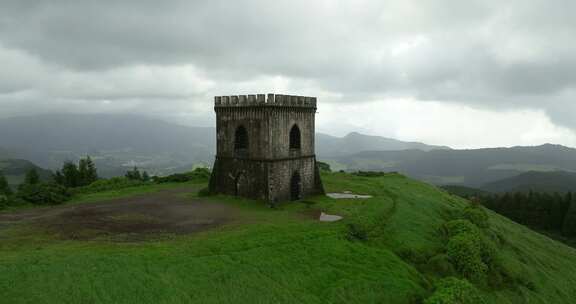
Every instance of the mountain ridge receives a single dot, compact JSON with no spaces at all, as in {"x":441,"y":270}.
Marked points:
{"x":123,"y":140}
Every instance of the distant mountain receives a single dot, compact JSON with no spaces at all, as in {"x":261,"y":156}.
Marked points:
{"x":327,"y":145}
{"x":16,"y":169}
{"x":556,"y":181}
{"x":463,"y":167}
{"x":118,"y":142}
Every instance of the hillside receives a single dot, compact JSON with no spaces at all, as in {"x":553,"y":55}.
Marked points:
{"x":473,"y":168}
{"x":16,"y":169}
{"x":556,"y":181}
{"x":464,"y":191}
{"x":388,"y":249}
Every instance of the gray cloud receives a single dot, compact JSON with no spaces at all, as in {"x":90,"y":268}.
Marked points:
{"x":486,"y":54}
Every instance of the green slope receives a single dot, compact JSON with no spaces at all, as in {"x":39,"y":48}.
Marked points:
{"x":282,"y":256}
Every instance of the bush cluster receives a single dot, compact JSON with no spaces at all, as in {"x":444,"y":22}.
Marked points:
{"x":198,"y":174}
{"x":470,"y":251}
{"x":115,"y":183}
{"x":325,"y":167}
{"x":476,"y":215}
{"x":43,"y":194}
{"x":454,"y":291}
{"x":3,"y":201}
{"x":204,"y":192}
{"x":465,"y":252}
{"x":356,"y":232}
{"x":370,"y":173}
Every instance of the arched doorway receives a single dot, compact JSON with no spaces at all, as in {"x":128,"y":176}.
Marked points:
{"x":295,"y":187}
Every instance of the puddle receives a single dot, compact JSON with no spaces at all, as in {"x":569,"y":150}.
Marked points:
{"x":329,"y":217}
{"x":347,"y":195}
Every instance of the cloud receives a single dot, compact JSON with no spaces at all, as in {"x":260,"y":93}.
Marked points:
{"x":168,"y":58}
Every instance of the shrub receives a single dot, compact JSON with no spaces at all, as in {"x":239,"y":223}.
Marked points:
{"x":204,"y":192}
{"x":3,"y":201}
{"x":308,"y":204}
{"x":455,"y":227}
{"x":325,"y":167}
{"x":198,"y":174}
{"x":465,"y":253}
{"x":454,"y":291}
{"x":476,"y":215}
{"x":440,"y":265}
{"x":356,"y":232}
{"x":115,"y":183}
{"x":370,"y":173}
{"x":43,"y":194}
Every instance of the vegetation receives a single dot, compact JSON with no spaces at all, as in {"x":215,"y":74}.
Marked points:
{"x":198,"y":174}
{"x":534,"y":181}
{"x":542,"y":211}
{"x":409,"y":243}
{"x":464,"y":191}
{"x":72,"y":175}
{"x":15,"y":170}
{"x":455,"y":291}
{"x":324,"y":167}
{"x":32,"y":177}
{"x":82,"y":179}
{"x":5,"y":189}
{"x":371,"y":173}
{"x":43,"y":194}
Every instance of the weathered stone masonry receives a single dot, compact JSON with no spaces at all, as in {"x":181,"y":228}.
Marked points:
{"x":265,"y":147}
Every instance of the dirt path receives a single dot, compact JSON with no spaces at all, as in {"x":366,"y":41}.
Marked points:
{"x":133,"y":218}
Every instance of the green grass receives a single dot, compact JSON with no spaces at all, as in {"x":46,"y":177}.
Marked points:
{"x":280,"y":256}
{"x":128,"y":192}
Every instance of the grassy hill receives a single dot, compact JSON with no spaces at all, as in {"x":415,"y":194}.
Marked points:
{"x":16,"y":169}
{"x":384,"y":251}
{"x":556,"y":181}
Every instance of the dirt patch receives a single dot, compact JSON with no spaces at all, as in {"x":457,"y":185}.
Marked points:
{"x":128,"y":219}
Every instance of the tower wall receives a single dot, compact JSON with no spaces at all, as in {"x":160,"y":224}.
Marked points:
{"x":266,"y":169}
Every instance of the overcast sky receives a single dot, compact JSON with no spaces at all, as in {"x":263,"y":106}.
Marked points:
{"x":462,"y":73}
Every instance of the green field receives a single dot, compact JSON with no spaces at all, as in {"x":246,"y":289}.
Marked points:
{"x":282,"y":255}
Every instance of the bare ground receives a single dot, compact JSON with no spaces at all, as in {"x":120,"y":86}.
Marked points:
{"x":127,"y":219}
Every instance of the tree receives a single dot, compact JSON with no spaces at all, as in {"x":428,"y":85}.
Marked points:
{"x":32,"y":177}
{"x":58,"y":178}
{"x":71,"y":174}
{"x":569,"y":228}
{"x":145,"y":177}
{"x":82,"y":172}
{"x":4,"y":187}
{"x":134,"y":174}
{"x":91,"y":172}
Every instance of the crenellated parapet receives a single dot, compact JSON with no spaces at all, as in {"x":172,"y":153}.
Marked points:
{"x":265,"y":100}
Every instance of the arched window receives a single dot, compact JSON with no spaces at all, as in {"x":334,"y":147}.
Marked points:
{"x":295,"y":138}
{"x":241,"y":139}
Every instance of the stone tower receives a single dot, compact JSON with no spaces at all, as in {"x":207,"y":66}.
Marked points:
{"x":265,"y":147}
